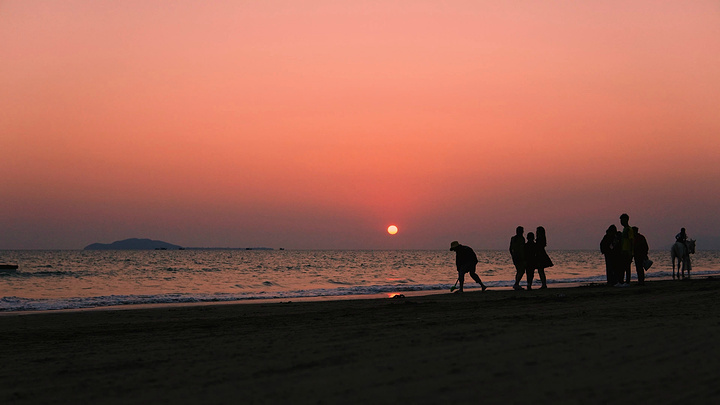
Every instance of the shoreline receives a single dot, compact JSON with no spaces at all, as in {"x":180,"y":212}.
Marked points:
{"x":554,"y":285}
{"x":253,"y":301}
{"x":589,"y":344}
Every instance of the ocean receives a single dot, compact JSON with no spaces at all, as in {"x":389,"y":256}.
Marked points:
{"x":75,"y":279}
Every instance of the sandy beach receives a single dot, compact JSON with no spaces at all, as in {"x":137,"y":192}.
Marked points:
{"x":588,"y":344}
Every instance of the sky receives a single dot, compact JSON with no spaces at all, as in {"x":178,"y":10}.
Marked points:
{"x":317,"y":124}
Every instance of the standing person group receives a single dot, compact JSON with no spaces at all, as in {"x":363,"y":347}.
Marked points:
{"x":620,"y":248}
{"x":529,"y":256}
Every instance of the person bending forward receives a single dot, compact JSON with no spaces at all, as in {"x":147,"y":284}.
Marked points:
{"x":466,"y":262}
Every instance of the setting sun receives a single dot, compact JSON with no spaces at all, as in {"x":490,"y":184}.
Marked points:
{"x":392,"y":229}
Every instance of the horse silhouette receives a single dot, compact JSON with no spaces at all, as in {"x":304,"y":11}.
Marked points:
{"x":681,"y":252}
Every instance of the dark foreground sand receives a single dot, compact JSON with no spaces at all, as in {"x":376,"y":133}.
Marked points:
{"x":592,"y":344}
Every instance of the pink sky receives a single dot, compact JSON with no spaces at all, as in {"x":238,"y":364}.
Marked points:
{"x":316,"y":124}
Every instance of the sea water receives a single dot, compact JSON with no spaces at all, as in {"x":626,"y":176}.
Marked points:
{"x":72,"y":279}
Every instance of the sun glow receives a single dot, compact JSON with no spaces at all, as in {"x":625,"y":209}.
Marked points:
{"x":392,"y":229}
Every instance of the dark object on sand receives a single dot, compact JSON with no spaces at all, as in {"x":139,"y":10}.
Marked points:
{"x":8,"y":267}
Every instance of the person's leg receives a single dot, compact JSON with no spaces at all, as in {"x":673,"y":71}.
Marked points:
{"x":519,"y":271}
{"x":530,"y":275}
{"x":640,"y":271}
{"x":619,"y":270}
{"x":461,"y":280}
{"x":475,"y":277}
{"x":628,"y":270}
{"x":543,"y":280}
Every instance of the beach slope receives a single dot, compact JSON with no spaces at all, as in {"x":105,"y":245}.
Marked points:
{"x":590,"y":344}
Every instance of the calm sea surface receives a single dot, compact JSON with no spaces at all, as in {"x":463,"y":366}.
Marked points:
{"x":48,"y":280}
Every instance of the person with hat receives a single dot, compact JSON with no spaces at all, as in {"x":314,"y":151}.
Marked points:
{"x":466,"y":262}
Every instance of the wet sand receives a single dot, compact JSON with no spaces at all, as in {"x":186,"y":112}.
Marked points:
{"x":591,"y":344}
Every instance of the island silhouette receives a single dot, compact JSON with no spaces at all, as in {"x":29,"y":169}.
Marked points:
{"x":149,"y":244}
{"x":134,"y":244}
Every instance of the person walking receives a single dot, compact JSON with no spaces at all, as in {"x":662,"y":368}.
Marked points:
{"x":640,"y":253}
{"x":466,"y":262}
{"x":543,"y":261}
{"x":609,"y":249}
{"x":530,"y":259}
{"x":627,"y":242}
{"x":517,"y":252}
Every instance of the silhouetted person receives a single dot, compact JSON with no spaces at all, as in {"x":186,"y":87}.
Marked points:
{"x":517,"y":252}
{"x":466,"y":262}
{"x":610,"y":251}
{"x":543,"y":260}
{"x":619,"y":259}
{"x":627,"y":248}
{"x":640,"y":252}
{"x":530,"y":259}
{"x":682,"y":236}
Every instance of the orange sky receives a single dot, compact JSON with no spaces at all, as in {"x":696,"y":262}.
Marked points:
{"x":316,"y":124}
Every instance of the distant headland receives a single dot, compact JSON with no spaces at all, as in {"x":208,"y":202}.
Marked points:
{"x":134,"y":244}
{"x":149,"y":244}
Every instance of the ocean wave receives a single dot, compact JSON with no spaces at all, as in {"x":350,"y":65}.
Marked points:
{"x":42,"y":273}
{"x":16,"y":304}
{"x":13,"y":304}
